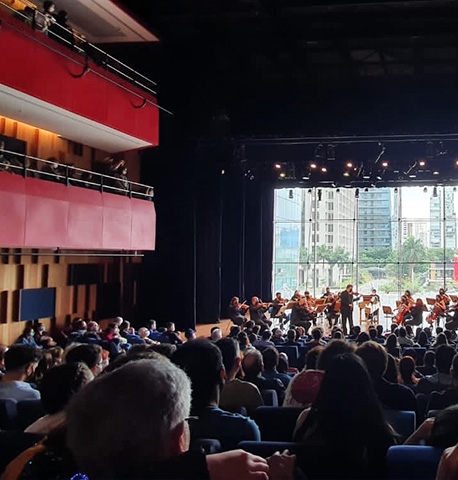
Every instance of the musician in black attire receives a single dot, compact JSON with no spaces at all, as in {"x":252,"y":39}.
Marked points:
{"x":300,"y":315}
{"x":327,"y":293}
{"x":332,"y":313}
{"x":416,"y":314}
{"x":236,"y":312}
{"x":452,"y":318}
{"x":346,"y":308}
{"x":257,"y":313}
{"x":277,"y":303}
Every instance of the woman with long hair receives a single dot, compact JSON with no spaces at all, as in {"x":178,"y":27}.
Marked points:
{"x":346,"y":422}
{"x":392,"y":345}
{"x":407,"y":372}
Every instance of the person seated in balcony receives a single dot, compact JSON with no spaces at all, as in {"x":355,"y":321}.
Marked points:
{"x":46,"y":17}
{"x":52,"y":171}
{"x":61,"y":31}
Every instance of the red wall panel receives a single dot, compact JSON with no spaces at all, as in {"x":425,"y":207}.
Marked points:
{"x":42,"y":214}
{"x":42,"y":72}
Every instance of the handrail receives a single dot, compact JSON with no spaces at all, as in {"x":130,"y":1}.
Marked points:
{"x":68,"y":177}
{"x":129,"y":74}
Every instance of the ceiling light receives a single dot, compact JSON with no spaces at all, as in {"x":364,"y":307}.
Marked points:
{"x":385,"y":164}
{"x":278,"y":166}
{"x":324,"y":169}
{"x":313,"y":165}
{"x":421,"y":163}
{"x":282,"y":175}
{"x":349,"y":165}
{"x":346,"y":174}
{"x":436,"y":172}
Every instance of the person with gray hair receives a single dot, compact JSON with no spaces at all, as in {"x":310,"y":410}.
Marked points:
{"x":152,"y":441}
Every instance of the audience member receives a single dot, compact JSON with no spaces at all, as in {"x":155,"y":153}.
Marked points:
{"x":441,"y":379}
{"x":90,"y":355}
{"x":449,"y":396}
{"x":291,"y":339}
{"x":57,"y":387}
{"x":407,"y":372}
{"x":391,"y":395}
{"x":311,"y":358}
{"x":392,"y":371}
{"x":20,"y":364}
{"x":153,"y":333}
{"x":190,"y":334}
{"x":216,"y":334}
{"x":277,"y":337}
{"x":392,"y":345}
{"x":170,"y":335}
{"x":270,"y":358}
{"x":264,"y":342}
{"x":203,"y":363}
{"x":27,"y":338}
{"x":236,"y":393}
{"x":345,"y":422}
{"x":403,"y":340}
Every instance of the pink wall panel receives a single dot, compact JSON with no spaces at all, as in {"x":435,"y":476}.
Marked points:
{"x":42,"y":72}
{"x":42,"y":214}
{"x":85,"y":218}
{"x":46,"y":213}
{"x":12,"y":210}
{"x":117,"y":221}
{"x":143,"y":229}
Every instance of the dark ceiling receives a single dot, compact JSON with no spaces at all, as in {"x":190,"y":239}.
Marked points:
{"x":303,"y":67}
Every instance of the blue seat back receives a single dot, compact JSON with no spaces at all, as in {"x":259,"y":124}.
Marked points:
{"x":419,"y":353}
{"x":406,"y":462}
{"x":8,"y":414}
{"x":291,"y":351}
{"x":266,"y":449}
{"x":209,"y":445}
{"x":403,"y":421}
{"x":28,"y":411}
{"x":276,"y":423}
{"x":270,"y":398}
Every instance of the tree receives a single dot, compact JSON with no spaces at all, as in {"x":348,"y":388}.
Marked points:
{"x":413,"y":251}
{"x":332,"y":256}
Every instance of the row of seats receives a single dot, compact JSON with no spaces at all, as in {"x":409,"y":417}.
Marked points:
{"x":19,"y":415}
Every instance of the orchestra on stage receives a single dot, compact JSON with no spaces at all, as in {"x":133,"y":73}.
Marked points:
{"x":332,"y":308}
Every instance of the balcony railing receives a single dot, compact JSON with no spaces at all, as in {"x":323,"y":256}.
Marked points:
{"x":76,"y":42}
{"x":28,"y":167}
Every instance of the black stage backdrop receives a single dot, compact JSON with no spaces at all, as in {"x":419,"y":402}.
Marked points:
{"x":214,"y":235}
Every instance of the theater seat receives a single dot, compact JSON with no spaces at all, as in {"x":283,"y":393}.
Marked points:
{"x":276,"y":423}
{"x":28,"y":411}
{"x":266,"y":449}
{"x":209,"y":445}
{"x":14,"y":443}
{"x":402,"y":421}
{"x":292,"y":352}
{"x":406,"y":462}
{"x":270,"y":398}
{"x":8,"y":413}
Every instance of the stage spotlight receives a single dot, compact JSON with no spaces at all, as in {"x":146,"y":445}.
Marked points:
{"x":324,"y":169}
{"x":357,"y":193}
{"x":319,"y":193}
{"x":385,"y":164}
{"x":313,"y":166}
{"x":278,"y":166}
{"x":349,"y":165}
{"x":421,"y":163}
{"x":435,"y":192}
{"x":223,"y":172}
{"x":291,"y":194}
{"x":456,"y":162}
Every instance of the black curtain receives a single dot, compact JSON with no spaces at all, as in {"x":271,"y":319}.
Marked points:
{"x":214,"y":235}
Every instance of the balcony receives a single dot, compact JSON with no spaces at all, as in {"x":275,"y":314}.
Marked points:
{"x":51,"y":205}
{"x":62,"y":83}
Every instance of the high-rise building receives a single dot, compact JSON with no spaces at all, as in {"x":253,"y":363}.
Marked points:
{"x":376,"y":212}
{"x":442,"y":206}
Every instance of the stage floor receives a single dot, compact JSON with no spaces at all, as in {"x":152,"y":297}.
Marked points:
{"x":204,"y":330}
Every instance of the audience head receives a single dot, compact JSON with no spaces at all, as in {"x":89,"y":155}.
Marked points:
{"x":253,"y":364}
{"x":80,"y":326}
{"x":266,"y":335}
{"x":46,"y":363}
{"x":391,"y":341}
{"x":428,"y":332}
{"x":230,"y":350}
{"x":454,"y":370}
{"x":332,"y":349}
{"x":429,"y":359}
{"x":22,"y":360}
{"x":372,"y":333}
{"x":216,"y":334}
{"x":234,"y":331}
{"x":317,"y":334}
{"x":393,"y":327}
{"x":375,"y":359}
{"x":143,"y":332}
{"x":423,"y":339}
{"x":270,"y":358}
{"x":444,"y":433}
{"x":392,"y":370}
{"x":60,"y":383}
{"x":165,"y":349}
{"x":90,"y":355}
{"x":190,"y":334}
{"x":379,"y":329}
{"x":170,"y":326}
{"x":283,"y":363}
{"x":49,"y":7}
{"x":154,"y":430}
{"x":402,"y":332}
{"x":93,"y":327}
{"x":362,"y":338}
{"x":152,"y":324}
{"x":444,"y":358}
{"x":243,"y":339}
{"x":312,"y":357}
{"x":202,"y":361}
{"x":3,"y":350}
{"x":407,"y":369}
{"x":291,"y":335}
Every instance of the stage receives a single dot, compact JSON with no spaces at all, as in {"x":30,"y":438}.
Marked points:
{"x":204,"y":329}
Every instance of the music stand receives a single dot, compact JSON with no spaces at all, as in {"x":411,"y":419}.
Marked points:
{"x":387,"y":311}
{"x":430,"y":301}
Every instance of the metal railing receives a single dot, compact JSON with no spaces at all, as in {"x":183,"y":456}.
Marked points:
{"x":21,"y":164}
{"x":75,"y":42}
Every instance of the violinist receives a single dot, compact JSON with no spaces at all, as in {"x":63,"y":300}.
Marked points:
{"x":327,"y":294}
{"x":300,"y":315}
{"x":296,"y":296}
{"x":236,"y":311}
{"x":452,"y":317}
{"x":310,"y":302}
{"x":439,"y":309}
{"x":346,"y":309}
{"x":257,"y":312}
{"x":444,"y":297}
{"x":416,"y":314}
{"x":403,"y":310}
{"x":277,"y":303}
{"x":409,"y":298}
